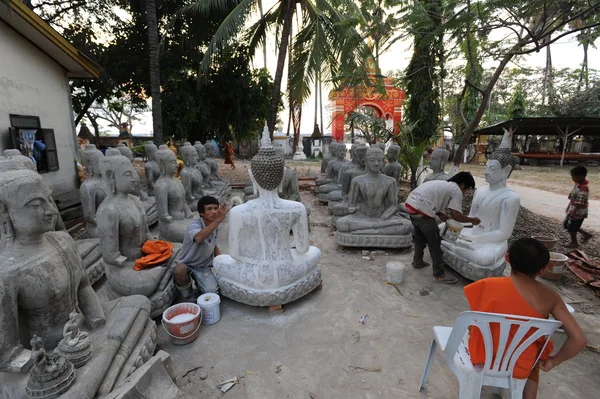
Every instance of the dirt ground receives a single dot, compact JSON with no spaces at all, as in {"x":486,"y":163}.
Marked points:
{"x":318,"y":349}
{"x":555,"y":179}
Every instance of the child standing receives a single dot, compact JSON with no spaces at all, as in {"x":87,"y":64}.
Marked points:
{"x":520,"y":294}
{"x":577,"y":210}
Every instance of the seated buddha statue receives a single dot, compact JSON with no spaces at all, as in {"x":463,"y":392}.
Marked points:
{"x":268,"y":270}
{"x":147,"y":202}
{"x":191,"y":178}
{"x":437,"y":163}
{"x":151,"y":167}
{"x":479,"y":251}
{"x":334,"y":172}
{"x":93,"y":189}
{"x":221,"y":187}
{"x":340,"y":208}
{"x":336,"y":195}
{"x":202,"y":166}
{"x":174,"y":214}
{"x":372,"y":203}
{"x":393,"y":168}
{"x":324,"y":179}
{"x":123,"y":231}
{"x":42,"y":281}
{"x":88,"y":248}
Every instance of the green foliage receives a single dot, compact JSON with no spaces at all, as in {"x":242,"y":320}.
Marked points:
{"x":517,"y":108}
{"x":412,"y":149}
{"x":583,"y":104}
{"x":366,"y":124}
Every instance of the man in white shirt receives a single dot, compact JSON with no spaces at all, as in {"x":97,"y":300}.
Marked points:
{"x":432,"y":199}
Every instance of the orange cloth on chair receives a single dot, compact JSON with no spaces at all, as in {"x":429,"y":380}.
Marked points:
{"x":157,"y":252}
{"x":499,"y":295}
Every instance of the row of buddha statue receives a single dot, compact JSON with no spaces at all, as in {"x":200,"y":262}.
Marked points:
{"x":56,"y":337}
{"x":362,"y":195}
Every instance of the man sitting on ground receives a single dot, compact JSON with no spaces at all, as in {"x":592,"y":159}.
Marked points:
{"x":432,"y":199}
{"x":199,"y":249}
{"x":520,"y":294}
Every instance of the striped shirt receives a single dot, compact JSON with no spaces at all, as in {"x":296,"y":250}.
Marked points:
{"x":578,"y":201}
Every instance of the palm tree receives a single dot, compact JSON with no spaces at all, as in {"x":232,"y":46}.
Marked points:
{"x":312,"y":52}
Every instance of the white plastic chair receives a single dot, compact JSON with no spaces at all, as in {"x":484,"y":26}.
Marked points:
{"x":453,"y":343}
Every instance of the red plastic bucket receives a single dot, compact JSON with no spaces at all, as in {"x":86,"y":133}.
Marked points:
{"x":182,"y":322}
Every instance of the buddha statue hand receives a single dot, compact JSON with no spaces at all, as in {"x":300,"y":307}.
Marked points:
{"x":166,"y":218}
{"x":120,"y":260}
{"x":352,"y":209}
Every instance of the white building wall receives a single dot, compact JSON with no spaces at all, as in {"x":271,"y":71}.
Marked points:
{"x":31,"y":83}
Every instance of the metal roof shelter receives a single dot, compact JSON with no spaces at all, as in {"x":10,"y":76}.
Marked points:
{"x":546,"y":126}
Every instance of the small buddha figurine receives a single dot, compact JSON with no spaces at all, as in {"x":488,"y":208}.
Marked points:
{"x":437,"y":163}
{"x":75,"y":345}
{"x":393,"y":168}
{"x":191,"y":178}
{"x":340,"y":208}
{"x":174,"y":214}
{"x":93,"y":189}
{"x":71,"y":334}
{"x":268,"y":270}
{"x":479,"y":251}
{"x":51,"y":375}
{"x":123,"y":231}
{"x":151,"y":167}
{"x":202,"y":166}
{"x":372,"y":203}
{"x":42,"y":281}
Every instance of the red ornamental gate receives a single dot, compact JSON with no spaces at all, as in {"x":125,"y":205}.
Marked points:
{"x":348,"y":99}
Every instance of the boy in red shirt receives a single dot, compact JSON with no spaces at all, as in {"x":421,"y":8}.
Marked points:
{"x":520,"y":294}
{"x":577,"y":210}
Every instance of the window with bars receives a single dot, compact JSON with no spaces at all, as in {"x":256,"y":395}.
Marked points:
{"x":34,"y":142}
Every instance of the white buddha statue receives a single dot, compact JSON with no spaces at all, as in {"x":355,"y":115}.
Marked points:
{"x":263,"y":267}
{"x":479,"y":251}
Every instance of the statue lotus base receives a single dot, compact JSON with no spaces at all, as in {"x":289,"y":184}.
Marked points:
{"x":373,"y":241}
{"x":274,"y":297}
{"x":51,"y":385}
{"x":79,"y":354}
{"x":470,"y":270}
{"x":323,"y":198}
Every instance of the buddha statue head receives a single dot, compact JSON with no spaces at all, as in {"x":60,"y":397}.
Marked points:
{"x":353,"y":148}
{"x":125,"y":151}
{"x":267,"y":166}
{"x":201,"y":150}
{"x":150,"y":149}
{"x":26,"y":210}
{"x":501,"y":162}
{"x":210,"y":149}
{"x":91,"y":159}
{"x":111,"y":152}
{"x":13,"y":160}
{"x":375,"y":159}
{"x":393,"y":153}
{"x":167,"y":161}
{"x":381,"y":146}
{"x":189,"y":154}
{"x":340,"y":149}
{"x":361,"y":154}
{"x":438,"y":159}
{"x":119,"y":175}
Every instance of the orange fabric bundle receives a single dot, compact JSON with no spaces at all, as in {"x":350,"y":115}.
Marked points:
{"x":499,"y":295}
{"x":157,"y":252}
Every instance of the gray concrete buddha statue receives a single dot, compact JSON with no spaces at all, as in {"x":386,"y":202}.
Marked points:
{"x":437,"y":163}
{"x":202,"y":166}
{"x":93,"y":189}
{"x":88,"y":248}
{"x":372,"y":204}
{"x":147,"y":202}
{"x":42,"y":282}
{"x":268,"y":270}
{"x":220,"y":186}
{"x":191,"y":178}
{"x":479,"y":251}
{"x":123,"y":231}
{"x":324,"y":179}
{"x":340,"y":208}
{"x":336,"y":196}
{"x":151,"y":167}
{"x":334,"y":169}
{"x":174,"y":214}
{"x":393,"y":168}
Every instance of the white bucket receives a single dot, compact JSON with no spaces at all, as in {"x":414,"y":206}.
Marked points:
{"x":394,"y":272}
{"x":210,"y":305}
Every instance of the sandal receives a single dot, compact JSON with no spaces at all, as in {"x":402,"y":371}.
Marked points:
{"x":421,"y":265}
{"x":445,"y":279}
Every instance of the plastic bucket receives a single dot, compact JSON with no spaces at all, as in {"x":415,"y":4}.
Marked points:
{"x":182,"y":322}
{"x":211,"y":309}
{"x":549,"y":242}
{"x":556,"y":267}
{"x":452,"y":230}
{"x":394,"y":272}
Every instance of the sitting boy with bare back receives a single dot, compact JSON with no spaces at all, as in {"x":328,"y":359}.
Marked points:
{"x":520,"y":294}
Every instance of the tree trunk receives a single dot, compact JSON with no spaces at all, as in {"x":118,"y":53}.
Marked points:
{"x":96,"y":128}
{"x":154,"y":71}
{"x":321,"y":102}
{"x":260,"y":7}
{"x":290,"y":7}
{"x":583,"y":75}
{"x":487,"y":92}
